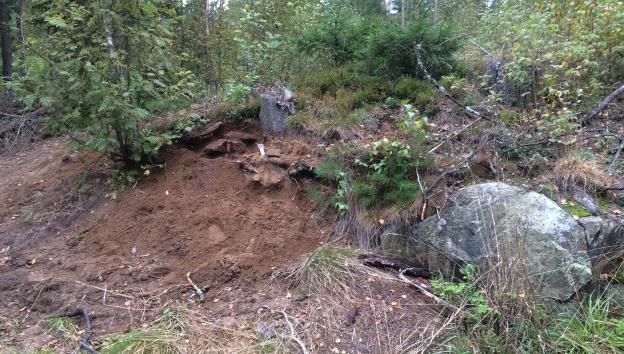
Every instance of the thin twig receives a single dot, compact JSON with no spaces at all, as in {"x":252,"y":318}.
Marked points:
{"x":34,"y":302}
{"x":426,"y":292}
{"x":455,"y":134}
{"x":421,"y":65}
{"x":292,"y":333}
{"x":618,"y":153}
{"x":453,"y":169}
{"x":106,"y":290}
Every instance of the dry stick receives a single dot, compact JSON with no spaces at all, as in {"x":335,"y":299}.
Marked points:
{"x":106,"y":291}
{"x":453,"y":169}
{"x":602,"y":106}
{"x":292,"y":333}
{"x":617,"y":156}
{"x":455,"y":134}
{"x":34,"y":302}
{"x":426,"y":292}
{"x":442,"y":90}
{"x":197,"y":288}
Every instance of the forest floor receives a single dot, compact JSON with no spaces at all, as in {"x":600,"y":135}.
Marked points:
{"x":235,"y":221}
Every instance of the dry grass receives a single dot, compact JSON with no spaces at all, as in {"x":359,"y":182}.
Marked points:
{"x":576,"y":171}
{"x":336,"y":304}
{"x":356,"y":308}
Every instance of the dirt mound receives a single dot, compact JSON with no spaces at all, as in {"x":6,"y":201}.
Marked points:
{"x":208,"y":214}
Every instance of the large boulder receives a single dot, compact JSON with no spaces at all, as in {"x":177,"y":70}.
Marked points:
{"x":499,"y":225}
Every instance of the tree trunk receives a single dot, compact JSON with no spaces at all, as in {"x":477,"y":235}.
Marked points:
{"x":21,"y":38}
{"x":402,"y":13}
{"x":5,"y":39}
{"x":602,"y":106}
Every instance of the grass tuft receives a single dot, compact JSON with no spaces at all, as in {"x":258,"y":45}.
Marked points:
{"x":576,"y":170}
{"x":327,"y":270}
{"x":153,"y":341}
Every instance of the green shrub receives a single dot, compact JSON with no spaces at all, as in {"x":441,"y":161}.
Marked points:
{"x":511,"y":118}
{"x":387,"y":174}
{"x":390,"y":49}
{"x":419,"y":92}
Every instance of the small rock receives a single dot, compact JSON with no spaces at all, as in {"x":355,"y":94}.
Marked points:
{"x":265,"y":331}
{"x":586,"y":201}
{"x":223,"y":146}
{"x":202,"y":135}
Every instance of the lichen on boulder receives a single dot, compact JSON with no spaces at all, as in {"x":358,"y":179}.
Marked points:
{"x":496,"y":224}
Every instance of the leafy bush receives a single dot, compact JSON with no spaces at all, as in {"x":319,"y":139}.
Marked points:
{"x":390,"y":49}
{"x":97,"y":87}
{"x":387,"y":175}
{"x":419,"y":92}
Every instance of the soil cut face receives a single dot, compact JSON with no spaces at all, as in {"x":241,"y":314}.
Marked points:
{"x":225,"y":214}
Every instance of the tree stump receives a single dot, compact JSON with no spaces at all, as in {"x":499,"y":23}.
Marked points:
{"x":275,"y":110}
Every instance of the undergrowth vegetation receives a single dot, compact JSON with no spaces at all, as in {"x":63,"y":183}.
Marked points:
{"x":522,"y":323}
{"x":384,"y":175}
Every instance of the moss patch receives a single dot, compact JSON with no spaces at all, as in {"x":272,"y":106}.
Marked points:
{"x":576,"y":210}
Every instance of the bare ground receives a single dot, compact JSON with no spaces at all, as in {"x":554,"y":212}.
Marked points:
{"x":64,"y":245}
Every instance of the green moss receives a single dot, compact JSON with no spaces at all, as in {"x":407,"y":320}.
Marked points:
{"x":576,"y":210}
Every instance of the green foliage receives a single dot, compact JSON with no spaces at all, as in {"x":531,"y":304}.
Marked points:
{"x":575,"y":209}
{"x":511,"y":118}
{"x":109,"y":69}
{"x":120,"y":180}
{"x":567,"y":54}
{"x":412,"y":123}
{"x":148,"y":341}
{"x":514,"y":326}
{"x":465,"y":294}
{"x":390,"y":49}
{"x":589,"y":330}
{"x":340,"y":36}
{"x":330,"y":171}
{"x":419,"y":92}
{"x":388,"y":173}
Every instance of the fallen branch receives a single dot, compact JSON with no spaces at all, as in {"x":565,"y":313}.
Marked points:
{"x":426,"y":292}
{"x":455,"y":134}
{"x":442,"y":90}
{"x":618,"y":153}
{"x":198,"y":290}
{"x":292,"y":333}
{"x":425,"y":192}
{"x":602,"y":106}
{"x":379,"y":261}
{"x":106,"y":291}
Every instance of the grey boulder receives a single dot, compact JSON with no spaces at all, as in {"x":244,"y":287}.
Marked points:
{"x":499,"y":227}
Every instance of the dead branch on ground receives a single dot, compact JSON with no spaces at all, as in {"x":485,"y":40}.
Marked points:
{"x":601,"y":106}
{"x":618,"y":153}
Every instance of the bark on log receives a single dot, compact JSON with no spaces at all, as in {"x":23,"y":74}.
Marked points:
{"x":602,"y":106}
{"x":379,"y":261}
